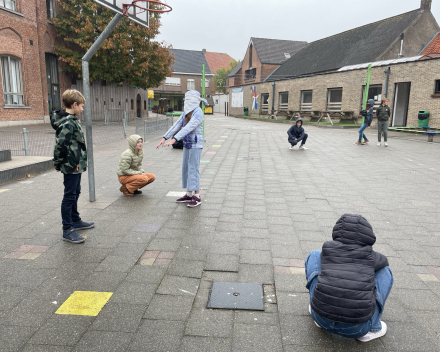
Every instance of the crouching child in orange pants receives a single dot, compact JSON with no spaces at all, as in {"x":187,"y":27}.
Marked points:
{"x":130,"y":173}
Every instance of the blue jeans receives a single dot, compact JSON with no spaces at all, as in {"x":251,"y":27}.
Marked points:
{"x":69,"y":205}
{"x":361,"y":132}
{"x":190,"y":169}
{"x":384,"y":281}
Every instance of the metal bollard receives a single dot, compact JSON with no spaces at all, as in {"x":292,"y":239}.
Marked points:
{"x":145,"y":130}
{"x":157,"y":121}
{"x":25,"y":138}
{"x":124,"y":121}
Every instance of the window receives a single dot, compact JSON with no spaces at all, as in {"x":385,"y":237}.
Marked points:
{"x":283,"y":101}
{"x":50,"y":8}
{"x":11,"y":80}
{"x":287,"y":55}
{"x":250,"y":74}
{"x":8,"y":4}
{"x":334,"y":99}
{"x":206,"y":82}
{"x":437,"y":87}
{"x":145,"y":105}
{"x":172,"y":81}
{"x":306,"y":100}
{"x":374,"y":92}
{"x":53,"y":82}
{"x":190,"y":85}
{"x":132,"y":104}
{"x":250,"y":55}
{"x":265,"y":102}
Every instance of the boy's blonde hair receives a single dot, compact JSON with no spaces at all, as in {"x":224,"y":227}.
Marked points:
{"x":384,"y":100}
{"x":71,"y":96}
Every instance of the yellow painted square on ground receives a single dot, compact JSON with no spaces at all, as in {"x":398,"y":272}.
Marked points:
{"x":428,"y":277}
{"x":216,"y":146}
{"x":30,"y":256}
{"x":84,"y":303}
{"x":297,"y":271}
{"x":147,"y":261}
{"x":220,"y":140}
{"x":3,"y":190}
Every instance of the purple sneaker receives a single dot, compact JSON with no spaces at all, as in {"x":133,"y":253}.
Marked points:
{"x":185,"y":199}
{"x":196,"y":201}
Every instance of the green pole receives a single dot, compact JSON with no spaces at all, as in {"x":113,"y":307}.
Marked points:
{"x":203,"y":96}
{"x":367,"y":88}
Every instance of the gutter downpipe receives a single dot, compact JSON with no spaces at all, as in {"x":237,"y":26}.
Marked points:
{"x":273,"y":97}
{"x":387,"y":78}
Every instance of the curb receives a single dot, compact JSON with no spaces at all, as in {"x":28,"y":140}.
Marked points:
{"x":20,"y":172}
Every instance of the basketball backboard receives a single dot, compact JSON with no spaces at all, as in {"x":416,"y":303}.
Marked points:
{"x":116,"y":5}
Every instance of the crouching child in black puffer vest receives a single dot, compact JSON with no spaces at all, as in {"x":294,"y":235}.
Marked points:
{"x":349,"y":282}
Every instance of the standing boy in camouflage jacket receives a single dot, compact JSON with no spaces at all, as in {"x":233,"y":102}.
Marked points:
{"x":70,"y":157}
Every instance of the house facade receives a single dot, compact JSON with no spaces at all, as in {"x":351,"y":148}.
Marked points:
{"x":32,"y":81}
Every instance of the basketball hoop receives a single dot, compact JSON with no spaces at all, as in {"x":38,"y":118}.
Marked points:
{"x":137,"y":8}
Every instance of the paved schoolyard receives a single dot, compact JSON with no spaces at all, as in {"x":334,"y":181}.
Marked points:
{"x":155,"y":260}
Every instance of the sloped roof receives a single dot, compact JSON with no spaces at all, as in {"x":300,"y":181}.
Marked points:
{"x":271,"y":51}
{"x":433,"y":46}
{"x":356,"y":46}
{"x":189,"y":61}
{"x":217,"y":60}
{"x":235,"y":70}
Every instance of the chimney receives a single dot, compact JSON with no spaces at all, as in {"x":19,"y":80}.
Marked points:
{"x":425,"y":5}
{"x":204,"y":50}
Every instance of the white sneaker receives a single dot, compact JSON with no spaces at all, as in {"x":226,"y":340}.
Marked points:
{"x":386,"y":144}
{"x":310,"y":311}
{"x":291,"y":147}
{"x":374,"y":334}
{"x":378,"y":144}
{"x":302,"y":147}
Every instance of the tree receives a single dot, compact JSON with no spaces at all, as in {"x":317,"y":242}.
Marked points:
{"x":129,"y":54}
{"x":220,"y":76}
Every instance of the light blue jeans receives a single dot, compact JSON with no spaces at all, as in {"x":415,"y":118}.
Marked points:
{"x":190,"y":169}
{"x":384,"y":281}
{"x":361,"y":132}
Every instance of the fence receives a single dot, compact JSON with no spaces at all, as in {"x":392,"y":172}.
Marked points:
{"x":42,"y":142}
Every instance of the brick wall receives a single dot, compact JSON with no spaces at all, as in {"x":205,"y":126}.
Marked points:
{"x":421,"y":75}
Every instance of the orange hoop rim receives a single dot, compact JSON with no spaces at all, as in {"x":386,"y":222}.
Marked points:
{"x":126,"y":7}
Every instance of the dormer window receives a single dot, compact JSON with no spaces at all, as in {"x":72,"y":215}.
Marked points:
{"x":287,"y":55}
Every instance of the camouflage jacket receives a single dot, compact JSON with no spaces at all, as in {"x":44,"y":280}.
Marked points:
{"x":70,"y":154}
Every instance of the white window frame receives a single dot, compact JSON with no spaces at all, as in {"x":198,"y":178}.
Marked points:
{"x":190,"y":84}
{"x":172,"y":81}
{"x":9,"y":4}
{"x":331,"y":105}
{"x":283,"y":105}
{"x":306,"y":106}
{"x":265,"y":102}
{"x":206,"y":82}
{"x":51,"y":13}
{"x":11,"y":96}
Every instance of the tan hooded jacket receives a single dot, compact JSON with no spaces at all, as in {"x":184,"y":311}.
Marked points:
{"x":130,"y":162}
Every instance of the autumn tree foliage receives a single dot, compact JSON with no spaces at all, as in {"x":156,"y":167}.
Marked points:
{"x":221,"y":73}
{"x":130,"y":54}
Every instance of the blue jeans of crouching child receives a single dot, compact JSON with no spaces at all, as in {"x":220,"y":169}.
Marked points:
{"x":69,"y":205}
{"x":190,"y":169}
{"x":361,"y":132}
{"x":384,"y":281}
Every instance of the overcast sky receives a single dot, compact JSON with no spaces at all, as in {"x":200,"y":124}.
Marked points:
{"x":226,"y":26}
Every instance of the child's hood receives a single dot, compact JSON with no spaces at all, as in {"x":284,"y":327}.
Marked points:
{"x":371,"y":102}
{"x":353,"y":229}
{"x":59,"y":117}
{"x":301,"y":120}
{"x":132,"y":141}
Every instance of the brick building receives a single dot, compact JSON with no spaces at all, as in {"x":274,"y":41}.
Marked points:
{"x":262,"y":57}
{"x":311,"y":82}
{"x":30,"y":74}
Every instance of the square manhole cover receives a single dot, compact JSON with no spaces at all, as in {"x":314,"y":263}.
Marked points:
{"x":232,"y":295}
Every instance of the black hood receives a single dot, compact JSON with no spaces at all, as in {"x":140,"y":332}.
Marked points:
{"x":353,"y":229}
{"x":300,"y":119}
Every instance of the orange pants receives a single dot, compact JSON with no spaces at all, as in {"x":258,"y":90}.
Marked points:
{"x":136,"y":181}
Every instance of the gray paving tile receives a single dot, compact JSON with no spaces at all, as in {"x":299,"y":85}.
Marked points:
{"x":249,"y":338}
{"x":291,"y":283}
{"x":178,"y":286}
{"x":103,"y":341}
{"x":136,"y":293}
{"x":121,"y":317}
{"x":255,"y":257}
{"x":62,"y":330}
{"x":210,"y":323}
{"x":301,"y":330}
{"x":166,"y":245}
{"x":146,"y":274}
{"x":222,"y":262}
{"x":293,"y":303}
{"x":46,"y":348}
{"x":225,"y":248}
{"x":205,"y":344}
{"x":260,"y":318}
{"x":12,"y":338}
{"x":259,"y":274}
{"x":169,"y":307}
{"x":158,"y":336}
{"x":186,"y":268}
{"x":191,"y":253}
{"x":102,"y":281}
{"x":414,"y":336}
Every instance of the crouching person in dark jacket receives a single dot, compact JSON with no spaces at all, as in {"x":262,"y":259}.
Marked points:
{"x":296,"y":134}
{"x":349,"y":282}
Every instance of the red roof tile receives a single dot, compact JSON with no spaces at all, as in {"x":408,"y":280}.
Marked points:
{"x":433,"y":47}
{"x":217,"y":60}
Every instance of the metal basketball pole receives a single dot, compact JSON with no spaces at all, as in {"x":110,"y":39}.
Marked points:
{"x":203,"y":96}
{"x":364,"y":103}
{"x":87,"y":107}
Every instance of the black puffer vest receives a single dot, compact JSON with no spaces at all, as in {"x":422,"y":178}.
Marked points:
{"x":346,"y":290}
